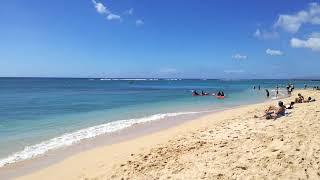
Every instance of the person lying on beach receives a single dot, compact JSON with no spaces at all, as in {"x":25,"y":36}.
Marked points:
{"x":299,"y":99}
{"x":291,"y":105}
{"x":309,"y":100}
{"x":273,"y":112}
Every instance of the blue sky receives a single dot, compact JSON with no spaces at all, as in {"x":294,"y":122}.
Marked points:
{"x":167,"y":38}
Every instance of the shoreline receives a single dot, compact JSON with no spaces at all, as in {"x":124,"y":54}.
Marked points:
{"x":54,"y":156}
{"x":125,"y":135}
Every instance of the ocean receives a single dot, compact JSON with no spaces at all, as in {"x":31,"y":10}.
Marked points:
{"x":42,"y":114}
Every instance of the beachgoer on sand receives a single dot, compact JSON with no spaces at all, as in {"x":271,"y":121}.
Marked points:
{"x":273,"y":112}
{"x":291,"y":105}
{"x":299,"y":99}
{"x":309,"y":100}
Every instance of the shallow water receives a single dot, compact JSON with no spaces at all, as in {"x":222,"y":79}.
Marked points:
{"x":39,"y":114}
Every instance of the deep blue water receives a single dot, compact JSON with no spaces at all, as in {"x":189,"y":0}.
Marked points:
{"x":35,"y":110}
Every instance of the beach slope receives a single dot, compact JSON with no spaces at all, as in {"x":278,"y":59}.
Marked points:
{"x":226,"y":145}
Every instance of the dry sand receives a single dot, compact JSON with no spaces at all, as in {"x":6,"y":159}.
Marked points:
{"x":225,"y":145}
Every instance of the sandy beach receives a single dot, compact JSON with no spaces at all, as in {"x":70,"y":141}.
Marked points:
{"x":225,"y":145}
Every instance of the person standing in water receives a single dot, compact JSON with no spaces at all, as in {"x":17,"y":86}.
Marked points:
{"x":268,"y":94}
{"x":254,"y":87}
{"x":259,"y":87}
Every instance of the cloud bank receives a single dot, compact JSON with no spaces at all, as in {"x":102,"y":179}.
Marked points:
{"x":293,"y":22}
{"x":312,"y":42}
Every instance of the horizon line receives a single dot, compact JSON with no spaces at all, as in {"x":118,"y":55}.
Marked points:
{"x":162,"y":78}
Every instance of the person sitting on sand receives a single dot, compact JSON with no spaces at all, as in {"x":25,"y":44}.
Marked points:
{"x":299,"y":99}
{"x":274,"y":113}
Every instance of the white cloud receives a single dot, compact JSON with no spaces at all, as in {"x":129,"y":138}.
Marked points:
{"x":129,"y":11}
{"x":113,"y":17}
{"x":273,"y":52}
{"x":100,"y":7}
{"x":292,"y":23}
{"x":234,"y":71}
{"x":262,"y":34}
{"x":239,"y":56}
{"x":168,"y":70}
{"x":139,"y":22}
{"x":313,"y":42}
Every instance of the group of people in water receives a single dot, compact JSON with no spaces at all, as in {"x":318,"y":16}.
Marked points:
{"x":289,"y":87}
{"x":267,"y":91}
{"x":195,"y":93}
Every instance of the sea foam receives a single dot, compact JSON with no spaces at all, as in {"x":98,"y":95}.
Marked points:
{"x":75,"y":137}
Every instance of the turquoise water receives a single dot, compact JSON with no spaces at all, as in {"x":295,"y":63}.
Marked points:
{"x":40,"y":114}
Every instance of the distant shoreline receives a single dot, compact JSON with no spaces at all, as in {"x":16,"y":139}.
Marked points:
{"x":160,"y":78}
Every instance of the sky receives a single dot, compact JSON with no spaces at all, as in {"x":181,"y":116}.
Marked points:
{"x":167,"y":38}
